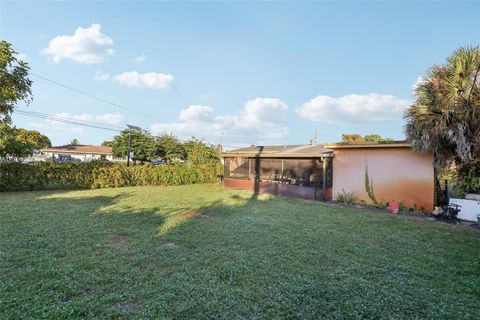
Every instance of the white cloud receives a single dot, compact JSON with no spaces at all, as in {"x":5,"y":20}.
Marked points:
{"x":150,"y":80}
{"x":197,"y":113}
{"x":354,"y":108}
{"x":86,"y":45}
{"x":22,"y":57}
{"x":261,"y":121}
{"x":101,"y":76}
{"x":418,"y":82}
{"x":140,"y":59}
{"x":261,"y":110}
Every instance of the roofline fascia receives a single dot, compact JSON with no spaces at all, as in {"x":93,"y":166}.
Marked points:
{"x":263,"y":155}
{"x":360,"y":146}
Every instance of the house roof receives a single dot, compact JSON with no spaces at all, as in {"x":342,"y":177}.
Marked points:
{"x":308,"y":150}
{"x":80,"y":149}
{"x":286,"y":151}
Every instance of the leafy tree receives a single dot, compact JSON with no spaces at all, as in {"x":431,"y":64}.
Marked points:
{"x":375,"y":138}
{"x":445,"y":116}
{"x":142,"y":145}
{"x":352,"y":138}
{"x":74,"y":142}
{"x":34,"y":138}
{"x":444,"y":119}
{"x":201,"y":153}
{"x":107,"y":143}
{"x":356,"y":138}
{"x":170,"y":148}
{"x":15,"y":86}
{"x":20,"y":143}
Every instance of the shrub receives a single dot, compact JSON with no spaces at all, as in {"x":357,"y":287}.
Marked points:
{"x":346,"y":197}
{"x":369,"y":186}
{"x":468,"y":178}
{"x":43,"y":175}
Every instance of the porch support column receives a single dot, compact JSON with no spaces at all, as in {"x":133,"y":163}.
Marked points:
{"x":324,"y":178}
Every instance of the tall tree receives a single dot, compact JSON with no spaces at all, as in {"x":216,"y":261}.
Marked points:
{"x":445,"y":118}
{"x":142,"y":145}
{"x":20,"y":143}
{"x":198,"y":152}
{"x":375,"y":138}
{"x":107,"y":143}
{"x":352,"y":138}
{"x":173,"y":150}
{"x":15,"y":86}
{"x":74,"y":142}
{"x":34,"y":138}
{"x":356,"y":138}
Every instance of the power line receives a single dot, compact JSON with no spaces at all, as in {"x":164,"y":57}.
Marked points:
{"x":93,"y":96}
{"x":40,"y":114}
{"x":91,"y":124}
{"x":99,"y":99}
{"x":63,"y":120}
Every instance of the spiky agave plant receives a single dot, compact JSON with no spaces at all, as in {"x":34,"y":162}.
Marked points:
{"x":369,"y":186}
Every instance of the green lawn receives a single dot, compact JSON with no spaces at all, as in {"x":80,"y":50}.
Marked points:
{"x":202,"y":252}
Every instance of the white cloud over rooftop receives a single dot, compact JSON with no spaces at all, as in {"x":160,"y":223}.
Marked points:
{"x":354,"y":108}
{"x":262,"y":120}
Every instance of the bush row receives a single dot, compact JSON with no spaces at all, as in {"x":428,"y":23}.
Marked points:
{"x":468,"y":178}
{"x":42,"y":175}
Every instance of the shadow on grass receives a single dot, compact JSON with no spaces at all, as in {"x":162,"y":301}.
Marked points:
{"x":149,"y":252}
{"x":135,"y":207}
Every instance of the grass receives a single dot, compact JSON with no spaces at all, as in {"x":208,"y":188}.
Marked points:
{"x":202,"y":252}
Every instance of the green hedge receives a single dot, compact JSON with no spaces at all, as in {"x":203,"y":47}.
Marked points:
{"x":468,"y":178}
{"x":43,"y":175}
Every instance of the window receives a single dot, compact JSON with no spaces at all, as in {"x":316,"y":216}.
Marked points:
{"x":236,"y":168}
{"x":304,"y":172}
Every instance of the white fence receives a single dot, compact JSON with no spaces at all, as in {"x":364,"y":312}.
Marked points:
{"x":469,"y":210}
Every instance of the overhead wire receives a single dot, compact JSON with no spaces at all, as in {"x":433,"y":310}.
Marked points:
{"x":64,"y":120}
{"x":59,"y":117}
{"x":87,"y":123}
{"x":92,"y":124}
{"x":83,"y":92}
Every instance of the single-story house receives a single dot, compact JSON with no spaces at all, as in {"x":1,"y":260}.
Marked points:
{"x":392,"y":170}
{"x":80,"y":153}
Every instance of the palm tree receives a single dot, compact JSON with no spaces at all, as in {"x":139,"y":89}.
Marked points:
{"x":445,"y":117}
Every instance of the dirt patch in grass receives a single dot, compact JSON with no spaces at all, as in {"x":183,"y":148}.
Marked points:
{"x":130,"y":307}
{"x":119,"y":241}
{"x":197,"y":214}
{"x":169,"y":245}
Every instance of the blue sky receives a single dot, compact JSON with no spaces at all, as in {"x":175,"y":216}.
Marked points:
{"x":260,"y":72}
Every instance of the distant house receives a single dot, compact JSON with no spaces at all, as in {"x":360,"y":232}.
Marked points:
{"x":320,"y":172}
{"x":80,"y":153}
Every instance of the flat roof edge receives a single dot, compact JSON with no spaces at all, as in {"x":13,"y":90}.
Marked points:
{"x":273,"y":155}
{"x":369,"y":145}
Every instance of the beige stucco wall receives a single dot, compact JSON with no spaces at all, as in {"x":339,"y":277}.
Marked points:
{"x":397,"y":174}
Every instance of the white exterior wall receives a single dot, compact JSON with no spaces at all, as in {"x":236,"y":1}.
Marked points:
{"x":79,"y":157}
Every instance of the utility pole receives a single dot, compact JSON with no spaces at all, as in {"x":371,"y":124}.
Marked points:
{"x":131,"y":127}
{"x":221,"y":142}
{"x":128,"y":150}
